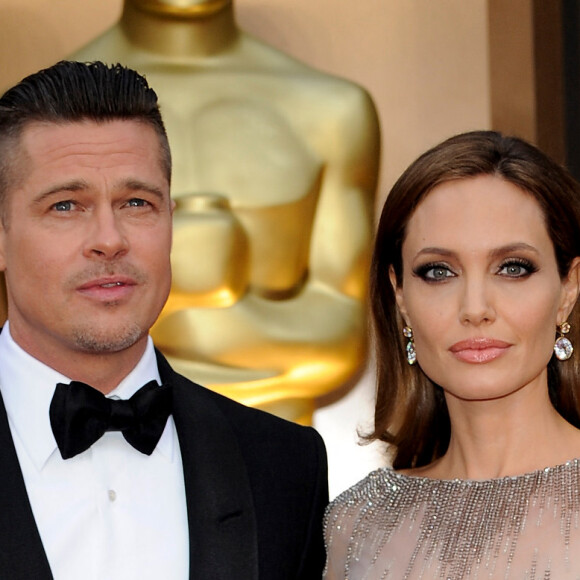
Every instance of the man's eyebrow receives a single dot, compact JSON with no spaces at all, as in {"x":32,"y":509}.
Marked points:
{"x":81,"y":185}
{"x":72,"y":186}
{"x":138,"y":185}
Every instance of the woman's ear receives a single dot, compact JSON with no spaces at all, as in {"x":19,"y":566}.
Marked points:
{"x":570,"y":291}
{"x":398,"y":290}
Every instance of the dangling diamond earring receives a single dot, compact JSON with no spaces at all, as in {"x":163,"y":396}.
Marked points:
{"x":411,"y":354}
{"x":563,"y":347}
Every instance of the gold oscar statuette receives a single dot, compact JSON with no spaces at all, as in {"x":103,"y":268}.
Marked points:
{"x":275,"y":171}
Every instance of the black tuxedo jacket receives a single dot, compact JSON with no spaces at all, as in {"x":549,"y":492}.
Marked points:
{"x":255,"y":485}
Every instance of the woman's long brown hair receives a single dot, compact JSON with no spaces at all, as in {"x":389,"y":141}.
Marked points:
{"x":411,"y":414}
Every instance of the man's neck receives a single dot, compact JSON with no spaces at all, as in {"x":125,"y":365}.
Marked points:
{"x":199,"y":30}
{"x":104,"y":371}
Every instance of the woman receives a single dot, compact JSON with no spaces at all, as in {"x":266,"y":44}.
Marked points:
{"x":474,"y":282}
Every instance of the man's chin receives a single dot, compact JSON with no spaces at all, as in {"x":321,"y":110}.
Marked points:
{"x":90,"y":340}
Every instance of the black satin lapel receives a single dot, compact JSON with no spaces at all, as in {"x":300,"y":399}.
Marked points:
{"x":22,"y":555}
{"x":222,"y":526}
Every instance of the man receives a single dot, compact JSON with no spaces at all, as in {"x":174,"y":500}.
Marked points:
{"x":295,"y":152}
{"x":214,"y":491}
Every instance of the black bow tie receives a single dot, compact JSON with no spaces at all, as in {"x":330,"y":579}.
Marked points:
{"x":80,"y":415}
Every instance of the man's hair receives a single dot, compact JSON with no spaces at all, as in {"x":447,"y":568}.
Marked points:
{"x":69,"y":92}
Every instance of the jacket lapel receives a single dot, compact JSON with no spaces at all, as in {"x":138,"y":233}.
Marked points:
{"x":22,"y":554}
{"x":222,"y":526}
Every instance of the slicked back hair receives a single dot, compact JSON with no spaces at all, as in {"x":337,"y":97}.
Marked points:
{"x":69,"y":92}
{"x":411,"y":413}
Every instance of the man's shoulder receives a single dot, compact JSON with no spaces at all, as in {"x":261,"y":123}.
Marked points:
{"x":251,"y":421}
{"x":246,"y":421}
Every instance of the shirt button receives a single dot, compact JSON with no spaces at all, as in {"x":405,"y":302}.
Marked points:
{"x":112,"y":495}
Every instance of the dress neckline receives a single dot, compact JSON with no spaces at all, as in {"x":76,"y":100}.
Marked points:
{"x":523,"y":476}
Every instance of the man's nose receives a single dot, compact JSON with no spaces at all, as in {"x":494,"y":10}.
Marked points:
{"x":106,"y":238}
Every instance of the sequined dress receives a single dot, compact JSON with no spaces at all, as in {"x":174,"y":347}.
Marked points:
{"x":394,"y":526}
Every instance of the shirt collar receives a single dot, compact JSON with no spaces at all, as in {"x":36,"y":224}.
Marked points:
{"x":27,"y":386}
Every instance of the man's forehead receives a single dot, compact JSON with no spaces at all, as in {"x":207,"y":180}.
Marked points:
{"x":54,"y":142}
{"x":128,"y":148}
{"x":34,"y":128}
{"x":40,"y":142}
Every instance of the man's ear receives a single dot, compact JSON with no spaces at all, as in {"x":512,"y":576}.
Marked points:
{"x":398,"y":290}
{"x":2,"y":243}
{"x":570,"y":291}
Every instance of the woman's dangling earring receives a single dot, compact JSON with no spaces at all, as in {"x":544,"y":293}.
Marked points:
{"x":563,"y":348}
{"x":411,"y":354}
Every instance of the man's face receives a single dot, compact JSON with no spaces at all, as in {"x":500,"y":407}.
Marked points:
{"x":86,"y":238}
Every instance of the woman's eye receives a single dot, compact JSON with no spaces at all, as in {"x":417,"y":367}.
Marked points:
{"x":438,"y":273}
{"x":434,"y":272}
{"x":517,"y":269}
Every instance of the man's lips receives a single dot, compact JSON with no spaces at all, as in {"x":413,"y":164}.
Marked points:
{"x":108,"y":288}
{"x":479,"y":350}
{"x":107,"y":282}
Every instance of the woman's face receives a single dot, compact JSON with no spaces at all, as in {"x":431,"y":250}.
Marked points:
{"x":481,"y":288}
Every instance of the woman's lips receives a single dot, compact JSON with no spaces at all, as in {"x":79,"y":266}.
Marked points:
{"x":479,"y":350}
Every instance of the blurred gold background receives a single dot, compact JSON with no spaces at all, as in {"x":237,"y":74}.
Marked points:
{"x":432,"y":68}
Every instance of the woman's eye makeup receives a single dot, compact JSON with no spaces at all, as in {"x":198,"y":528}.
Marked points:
{"x":517,"y":268}
{"x":434,"y":271}
{"x":509,"y":268}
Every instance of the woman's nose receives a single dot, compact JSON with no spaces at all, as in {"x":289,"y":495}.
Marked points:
{"x":476,"y":305}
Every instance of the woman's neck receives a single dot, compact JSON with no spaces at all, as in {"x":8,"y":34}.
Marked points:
{"x":511,"y":436}
{"x":180,"y":28}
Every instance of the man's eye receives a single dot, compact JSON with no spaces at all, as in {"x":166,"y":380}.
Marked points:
{"x":63,"y":206}
{"x":136,"y":202}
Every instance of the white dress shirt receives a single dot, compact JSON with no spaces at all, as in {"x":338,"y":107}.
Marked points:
{"x":111,"y":512}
